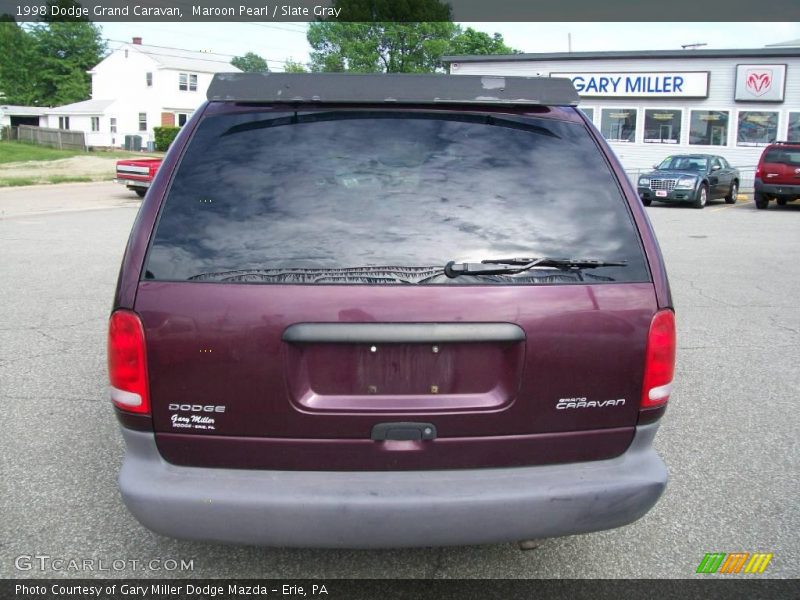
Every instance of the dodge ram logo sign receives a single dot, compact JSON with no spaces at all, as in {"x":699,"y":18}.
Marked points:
{"x":760,"y":83}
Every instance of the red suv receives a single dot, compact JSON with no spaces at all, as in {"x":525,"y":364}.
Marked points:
{"x":382,"y":310}
{"x":778,"y":174}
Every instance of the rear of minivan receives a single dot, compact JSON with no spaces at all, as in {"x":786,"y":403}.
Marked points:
{"x":381,"y":311}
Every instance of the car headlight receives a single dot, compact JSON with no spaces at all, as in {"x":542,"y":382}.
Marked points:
{"x":644,"y":181}
{"x":686,"y":182}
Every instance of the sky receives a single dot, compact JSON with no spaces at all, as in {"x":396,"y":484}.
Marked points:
{"x":278,"y":41}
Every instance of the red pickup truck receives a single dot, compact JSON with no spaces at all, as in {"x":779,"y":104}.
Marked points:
{"x":137,"y":173}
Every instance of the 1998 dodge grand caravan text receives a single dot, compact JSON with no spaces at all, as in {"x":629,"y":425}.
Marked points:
{"x":376,"y":311}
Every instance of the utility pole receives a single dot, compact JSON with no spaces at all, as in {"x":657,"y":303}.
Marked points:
{"x":569,"y":42}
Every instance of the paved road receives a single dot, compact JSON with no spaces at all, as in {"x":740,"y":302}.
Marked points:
{"x":729,"y":437}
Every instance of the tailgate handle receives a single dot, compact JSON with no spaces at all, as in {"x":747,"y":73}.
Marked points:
{"x":401,"y":333}
{"x":383,"y":432}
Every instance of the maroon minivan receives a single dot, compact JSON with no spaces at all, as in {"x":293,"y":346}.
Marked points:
{"x":390,"y":310}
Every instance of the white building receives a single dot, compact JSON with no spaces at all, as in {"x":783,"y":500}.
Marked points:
{"x":11,"y":115}
{"x":651,"y":104}
{"x":139,"y":87}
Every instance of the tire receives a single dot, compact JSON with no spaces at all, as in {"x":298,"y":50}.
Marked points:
{"x":140,"y":192}
{"x":781,"y":201}
{"x":647,"y":202}
{"x":702,"y":197}
{"x":731,"y":197}
{"x":761,"y":201}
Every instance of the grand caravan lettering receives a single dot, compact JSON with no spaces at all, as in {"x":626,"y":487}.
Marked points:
{"x":690,"y":84}
{"x":564,"y":403}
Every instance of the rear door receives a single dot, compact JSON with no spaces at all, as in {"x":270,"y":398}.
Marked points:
{"x":295,"y":304}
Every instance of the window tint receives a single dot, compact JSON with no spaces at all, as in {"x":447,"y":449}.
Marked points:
{"x":343,"y":189}
{"x":783,"y":156}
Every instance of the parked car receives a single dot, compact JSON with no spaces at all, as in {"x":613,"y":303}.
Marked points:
{"x":137,"y":174}
{"x":690,"y":178}
{"x":381,"y":311}
{"x":778,"y":174}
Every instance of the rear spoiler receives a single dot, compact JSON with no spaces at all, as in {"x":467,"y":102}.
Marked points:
{"x":350,"y":88}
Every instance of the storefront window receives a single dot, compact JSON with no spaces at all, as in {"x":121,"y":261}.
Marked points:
{"x":618,"y":124}
{"x":709,"y":127}
{"x":794,"y":127}
{"x":757,"y":128}
{"x":589,"y":112}
{"x":662,"y":126}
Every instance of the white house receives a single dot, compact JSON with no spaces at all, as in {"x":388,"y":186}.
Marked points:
{"x":138,"y":87}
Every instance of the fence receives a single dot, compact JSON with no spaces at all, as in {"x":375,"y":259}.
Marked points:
{"x":746,"y":177}
{"x":63,"y":139}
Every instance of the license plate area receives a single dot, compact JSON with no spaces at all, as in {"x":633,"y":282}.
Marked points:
{"x":404,"y":376}
{"x":661,"y":193}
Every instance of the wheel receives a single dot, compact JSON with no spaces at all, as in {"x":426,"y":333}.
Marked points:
{"x":702,"y":197}
{"x":781,"y":201}
{"x":647,"y":201}
{"x":761,"y":201}
{"x":731,"y":197}
{"x":140,"y":192}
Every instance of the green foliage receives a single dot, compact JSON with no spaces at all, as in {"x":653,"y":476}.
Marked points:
{"x":46,"y":64}
{"x":291,"y":66}
{"x":165,"y":136}
{"x":250,"y":63}
{"x":471,"y":41}
{"x":408,"y":36}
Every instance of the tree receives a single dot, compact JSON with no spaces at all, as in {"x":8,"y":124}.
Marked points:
{"x":291,"y":66}
{"x":17,"y":83}
{"x":250,"y":63}
{"x":473,"y":42}
{"x":374,"y":36}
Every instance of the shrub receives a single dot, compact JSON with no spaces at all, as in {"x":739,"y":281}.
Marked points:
{"x":165,"y":136}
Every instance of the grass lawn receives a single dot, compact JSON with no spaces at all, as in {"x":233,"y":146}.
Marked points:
{"x":21,"y":151}
{"x":20,"y":181}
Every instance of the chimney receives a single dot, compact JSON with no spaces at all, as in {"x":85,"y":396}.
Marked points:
{"x":137,"y":41}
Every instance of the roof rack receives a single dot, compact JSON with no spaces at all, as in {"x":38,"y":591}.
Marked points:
{"x":349,"y":88}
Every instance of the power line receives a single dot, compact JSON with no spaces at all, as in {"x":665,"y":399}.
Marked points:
{"x":269,"y":60}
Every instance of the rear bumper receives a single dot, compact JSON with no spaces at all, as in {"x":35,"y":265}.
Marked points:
{"x":132,"y":183}
{"x":775,"y":189}
{"x":388,"y":509}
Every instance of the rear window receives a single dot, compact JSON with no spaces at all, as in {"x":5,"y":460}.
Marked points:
{"x":347,"y":196}
{"x":784,"y":156}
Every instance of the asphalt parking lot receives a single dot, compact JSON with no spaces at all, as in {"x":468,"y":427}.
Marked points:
{"x":729,"y":436}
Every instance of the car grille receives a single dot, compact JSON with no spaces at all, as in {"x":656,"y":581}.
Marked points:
{"x":663,"y":184}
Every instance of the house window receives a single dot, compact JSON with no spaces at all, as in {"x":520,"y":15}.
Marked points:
{"x":142,"y":121}
{"x":708,"y":128}
{"x":63,"y":122}
{"x":618,"y":124}
{"x":182,"y":118}
{"x":756,"y":128}
{"x":794,"y":127}
{"x":662,"y":126}
{"x":113,"y":124}
{"x":149,"y":79}
{"x":95,"y":123}
{"x":589,"y":112}
{"x":187,"y":82}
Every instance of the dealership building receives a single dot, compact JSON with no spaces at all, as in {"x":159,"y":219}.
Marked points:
{"x":651,"y":104}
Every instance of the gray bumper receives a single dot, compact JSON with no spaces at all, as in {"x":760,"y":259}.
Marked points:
{"x":775,"y":189}
{"x":388,"y":509}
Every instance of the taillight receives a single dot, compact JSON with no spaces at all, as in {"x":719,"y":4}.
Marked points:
{"x":127,"y":363}
{"x":758,"y":171}
{"x":659,"y":366}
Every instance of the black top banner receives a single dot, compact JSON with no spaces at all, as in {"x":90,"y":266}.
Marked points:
{"x":402,"y":11}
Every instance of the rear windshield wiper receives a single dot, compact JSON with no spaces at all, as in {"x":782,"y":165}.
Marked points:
{"x":510,"y":266}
